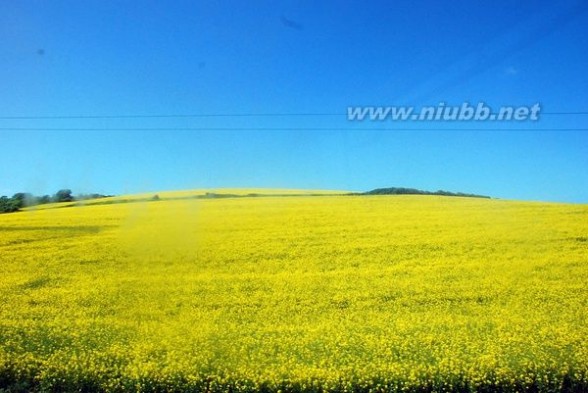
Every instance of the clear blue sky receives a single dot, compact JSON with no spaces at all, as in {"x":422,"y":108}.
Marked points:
{"x":112,"y":58}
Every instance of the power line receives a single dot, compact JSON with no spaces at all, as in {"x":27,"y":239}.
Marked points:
{"x":279,"y":129}
{"x":178,"y":116}
{"x":220,"y":115}
{"x":564,"y":113}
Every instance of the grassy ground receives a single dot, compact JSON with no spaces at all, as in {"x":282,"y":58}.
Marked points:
{"x":338,"y":293}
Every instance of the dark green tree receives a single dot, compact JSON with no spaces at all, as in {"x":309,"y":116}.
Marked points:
{"x":63,"y":196}
{"x":23,"y":199}
{"x":8,"y":205}
{"x":44,"y":199}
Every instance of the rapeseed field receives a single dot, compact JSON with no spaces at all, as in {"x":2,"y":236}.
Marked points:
{"x":297,"y":293}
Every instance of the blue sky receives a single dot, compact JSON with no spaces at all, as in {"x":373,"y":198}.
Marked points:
{"x":104,"y":58}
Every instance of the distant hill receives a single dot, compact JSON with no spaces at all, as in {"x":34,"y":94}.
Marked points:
{"x":64,"y":198}
{"x":414,"y":191}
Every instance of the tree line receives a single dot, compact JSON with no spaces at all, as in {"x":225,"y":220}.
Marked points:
{"x":24,"y":199}
{"x":414,"y":191}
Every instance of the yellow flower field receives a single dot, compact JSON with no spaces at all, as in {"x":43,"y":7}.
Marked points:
{"x":296,"y":293}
